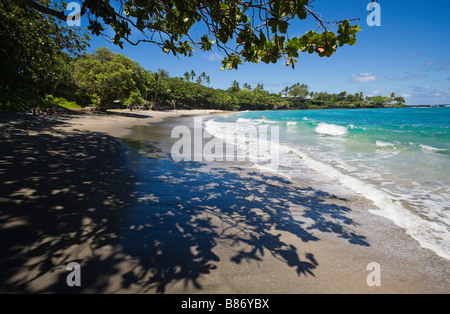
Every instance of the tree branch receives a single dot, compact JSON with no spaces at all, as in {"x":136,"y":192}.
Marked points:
{"x":43,"y":9}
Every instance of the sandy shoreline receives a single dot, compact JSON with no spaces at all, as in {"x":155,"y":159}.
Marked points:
{"x":70,"y":182}
{"x":118,"y":122}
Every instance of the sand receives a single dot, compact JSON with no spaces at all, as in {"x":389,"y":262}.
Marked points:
{"x":88,"y":188}
{"x":117,"y":123}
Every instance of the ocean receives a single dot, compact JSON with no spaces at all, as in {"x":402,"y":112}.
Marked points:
{"x":397,"y":158}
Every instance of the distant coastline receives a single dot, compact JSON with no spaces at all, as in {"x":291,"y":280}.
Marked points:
{"x":428,"y":106}
{"x":368,"y":107}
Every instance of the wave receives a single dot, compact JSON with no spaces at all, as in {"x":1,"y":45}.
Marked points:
{"x":331,"y":129}
{"x":429,"y":234}
{"x":290,"y":123}
{"x":384,"y":144}
{"x":353,"y":127}
{"x":243,"y":120}
{"x":426,"y":148}
{"x":249,"y":146}
{"x":257,"y":121}
{"x":263,"y":120}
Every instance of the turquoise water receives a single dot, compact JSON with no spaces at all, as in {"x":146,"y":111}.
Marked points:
{"x":399,"y":158}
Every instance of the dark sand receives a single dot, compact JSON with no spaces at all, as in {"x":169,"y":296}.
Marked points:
{"x":137,"y":222}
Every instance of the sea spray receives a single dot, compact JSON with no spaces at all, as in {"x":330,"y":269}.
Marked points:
{"x":331,"y":129}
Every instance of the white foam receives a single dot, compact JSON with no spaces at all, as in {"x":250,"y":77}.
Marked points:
{"x":257,"y":149}
{"x":256,"y":121}
{"x":426,"y":148}
{"x":242,"y":120}
{"x":263,"y":120}
{"x":353,"y":127}
{"x":384,"y":144}
{"x":429,"y":234}
{"x":331,"y":129}
{"x":290,"y":123}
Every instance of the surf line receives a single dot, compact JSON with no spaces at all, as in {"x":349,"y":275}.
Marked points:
{"x":247,"y":143}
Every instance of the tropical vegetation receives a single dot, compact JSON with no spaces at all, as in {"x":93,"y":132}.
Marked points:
{"x":44,"y":61}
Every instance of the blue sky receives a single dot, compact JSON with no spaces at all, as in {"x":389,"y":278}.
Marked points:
{"x":408,"y":54}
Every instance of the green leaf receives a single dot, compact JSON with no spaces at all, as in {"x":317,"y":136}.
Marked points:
{"x":301,"y":13}
{"x":224,"y":6}
{"x":262,"y":37}
{"x":352,"y":41}
{"x":282,"y":27}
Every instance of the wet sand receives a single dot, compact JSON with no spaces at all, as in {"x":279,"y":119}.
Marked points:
{"x":89,"y":189}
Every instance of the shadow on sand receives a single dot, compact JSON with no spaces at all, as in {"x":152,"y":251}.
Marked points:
{"x":73,"y":197}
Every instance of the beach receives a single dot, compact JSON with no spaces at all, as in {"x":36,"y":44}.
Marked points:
{"x":101,"y":190}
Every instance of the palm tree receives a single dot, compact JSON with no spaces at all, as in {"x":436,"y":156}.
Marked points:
{"x":202,"y":77}
{"x":187,"y":76}
{"x":234,"y":87}
{"x":360,"y":96}
{"x":193,"y":75}
{"x":259,"y":87}
{"x":163,"y":73}
{"x":342,"y":95}
{"x":399,"y":100}
{"x":205,"y":78}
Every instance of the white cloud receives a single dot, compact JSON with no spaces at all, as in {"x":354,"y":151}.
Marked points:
{"x":213,"y":56}
{"x":419,"y":95}
{"x":433,"y":94}
{"x":404,"y":77}
{"x":374,"y":93}
{"x":438,"y":65}
{"x":364,"y":77}
{"x":405,"y":95}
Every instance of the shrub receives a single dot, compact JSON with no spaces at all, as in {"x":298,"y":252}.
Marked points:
{"x":17,"y":101}
{"x":60,"y":102}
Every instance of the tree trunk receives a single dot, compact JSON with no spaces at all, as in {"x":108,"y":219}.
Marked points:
{"x":101,"y":106}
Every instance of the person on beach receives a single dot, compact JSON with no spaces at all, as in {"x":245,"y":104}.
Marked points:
{"x":50,"y":112}
{"x":36,"y":111}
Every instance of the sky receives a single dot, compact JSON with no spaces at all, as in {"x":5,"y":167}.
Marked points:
{"x":408,"y":54}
